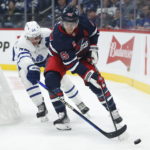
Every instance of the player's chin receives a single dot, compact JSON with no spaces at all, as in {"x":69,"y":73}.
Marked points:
{"x":70,"y":31}
{"x":35,"y":43}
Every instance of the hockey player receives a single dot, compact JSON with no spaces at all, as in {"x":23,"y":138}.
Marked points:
{"x":73,"y":45}
{"x":31,"y":52}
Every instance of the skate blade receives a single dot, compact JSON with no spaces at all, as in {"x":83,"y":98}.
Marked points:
{"x":63,"y":127}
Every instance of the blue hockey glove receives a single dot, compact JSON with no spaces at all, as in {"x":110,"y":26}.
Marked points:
{"x":33,"y":74}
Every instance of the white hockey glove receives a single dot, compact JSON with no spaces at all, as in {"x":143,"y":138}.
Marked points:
{"x":33,"y":74}
{"x":93,"y":54}
{"x":93,"y":78}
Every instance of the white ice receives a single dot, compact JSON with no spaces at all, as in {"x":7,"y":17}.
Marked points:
{"x":29,"y":133}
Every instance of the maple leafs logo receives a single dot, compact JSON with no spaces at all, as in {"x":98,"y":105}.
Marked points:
{"x":121,"y":52}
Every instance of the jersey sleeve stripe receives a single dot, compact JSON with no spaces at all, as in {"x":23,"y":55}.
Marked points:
{"x":23,"y":49}
{"x":52,"y":48}
{"x":95,"y":31}
{"x":21,"y":58}
{"x":74,"y":67}
{"x":69,"y":62}
{"x":22,"y":53}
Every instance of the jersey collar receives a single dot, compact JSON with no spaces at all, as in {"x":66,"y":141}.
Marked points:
{"x":61,"y":29}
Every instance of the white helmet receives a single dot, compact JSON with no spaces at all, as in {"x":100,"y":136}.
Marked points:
{"x":32,"y":29}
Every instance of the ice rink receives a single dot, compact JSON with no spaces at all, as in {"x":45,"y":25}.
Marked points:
{"x":29,"y":133}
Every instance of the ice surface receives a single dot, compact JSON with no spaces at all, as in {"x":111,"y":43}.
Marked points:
{"x":29,"y":133}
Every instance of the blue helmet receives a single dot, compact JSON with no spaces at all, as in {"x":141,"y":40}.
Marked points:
{"x":70,"y":14}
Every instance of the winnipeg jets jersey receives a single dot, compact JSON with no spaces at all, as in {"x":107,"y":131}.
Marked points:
{"x":71,"y":48}
{"x":25,"y":53}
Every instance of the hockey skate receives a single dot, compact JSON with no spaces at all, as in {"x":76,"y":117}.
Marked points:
{"x":62,"y":123}
{"x":42,"y":112}
{"x":83,"y":108}
{"x":116,"y":117}
{"x":119,"y":124}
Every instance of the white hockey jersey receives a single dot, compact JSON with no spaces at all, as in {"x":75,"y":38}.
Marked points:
{"x":25,"y":53}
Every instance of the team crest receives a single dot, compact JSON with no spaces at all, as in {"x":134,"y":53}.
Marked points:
{"x":39,"y":58}
{"x":64,"y":55}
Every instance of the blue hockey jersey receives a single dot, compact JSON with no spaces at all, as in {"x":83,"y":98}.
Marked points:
{"x":75,"y":47}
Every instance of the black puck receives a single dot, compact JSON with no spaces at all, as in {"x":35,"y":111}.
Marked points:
{"x":137,"y":141}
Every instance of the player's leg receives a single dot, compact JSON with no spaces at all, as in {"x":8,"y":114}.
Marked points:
{"x":104,"y":96}
{"x":35,"y":94}
{"x":52,"y":81}
{"x":72,"y":93}
{"x":98,"y":86}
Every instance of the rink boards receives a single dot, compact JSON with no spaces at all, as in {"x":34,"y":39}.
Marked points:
{"x":124,"y":56}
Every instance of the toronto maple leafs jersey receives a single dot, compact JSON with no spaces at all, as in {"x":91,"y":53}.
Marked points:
{"x":25,"y":53}
{"x":75,"y":47}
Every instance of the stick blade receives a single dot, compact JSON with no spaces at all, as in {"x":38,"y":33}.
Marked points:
{"x":117,"y":132}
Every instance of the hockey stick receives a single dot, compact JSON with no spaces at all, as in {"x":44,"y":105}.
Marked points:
{"x":106,"y":101}
{"x":107,"y":134}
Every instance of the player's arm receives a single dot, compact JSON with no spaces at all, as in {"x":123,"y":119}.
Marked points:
{"x":25,"y":62}
{"x":24,"y":58}
{"x":72,"y":63}
{"x":93,"y":38}
{"x":90,"y":28}
{"x":68,"y":56}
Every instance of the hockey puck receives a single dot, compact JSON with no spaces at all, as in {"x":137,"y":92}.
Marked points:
{"x":137,"y":141}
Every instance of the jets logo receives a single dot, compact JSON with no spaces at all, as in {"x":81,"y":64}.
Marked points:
{"x":64,"y":55}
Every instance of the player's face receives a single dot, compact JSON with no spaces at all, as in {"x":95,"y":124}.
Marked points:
{"x":35,"y":40}
{"x":70,"y":26}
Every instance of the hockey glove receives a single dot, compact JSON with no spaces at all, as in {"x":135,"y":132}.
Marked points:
{"x":33,"y":74}
{"x":93,"y":54}
{"x":95,"y":79}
